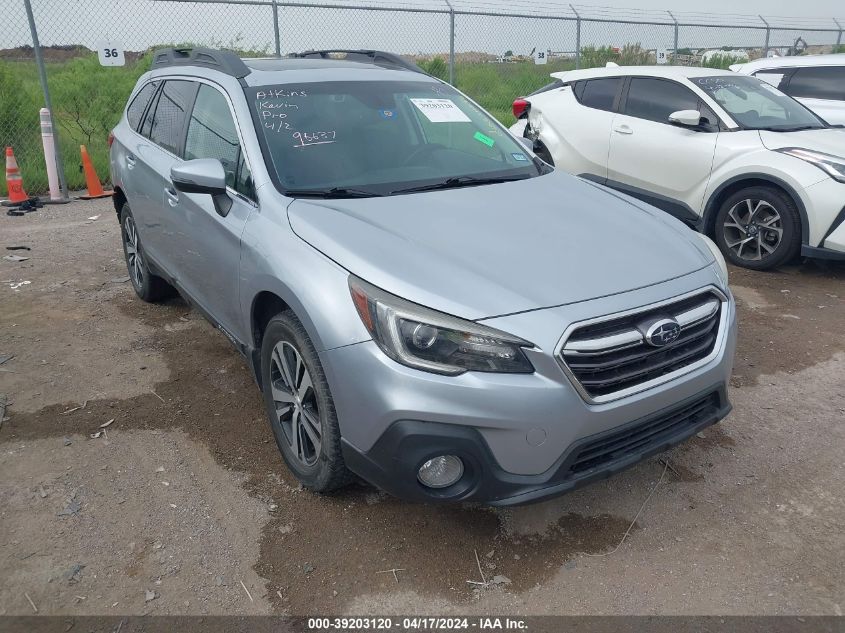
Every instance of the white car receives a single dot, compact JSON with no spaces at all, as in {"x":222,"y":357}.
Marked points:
{"x":817,"y":81}
{"x":728,"y":154}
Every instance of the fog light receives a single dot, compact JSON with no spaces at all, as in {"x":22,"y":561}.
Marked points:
{"x":441,"y":471}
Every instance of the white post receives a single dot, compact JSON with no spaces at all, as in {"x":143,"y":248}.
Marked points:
{"x":49,"y":144}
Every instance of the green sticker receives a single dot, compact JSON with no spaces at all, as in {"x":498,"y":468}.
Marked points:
{"x":489,"y":142}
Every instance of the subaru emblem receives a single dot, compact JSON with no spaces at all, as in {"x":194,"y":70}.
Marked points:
{"x":662,"y":332}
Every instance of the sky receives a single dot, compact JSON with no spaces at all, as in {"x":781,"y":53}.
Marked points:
{"x":138,"y":24}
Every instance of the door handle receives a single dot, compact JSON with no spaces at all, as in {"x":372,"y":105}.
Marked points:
{"x":130,"y":161}
{"x":623,"y":129}
{"x":172,"y":196}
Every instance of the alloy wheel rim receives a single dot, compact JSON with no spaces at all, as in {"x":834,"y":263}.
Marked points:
{"x":753,"y":229}
{"x":295,"y":403}
{"x":134,"y":261}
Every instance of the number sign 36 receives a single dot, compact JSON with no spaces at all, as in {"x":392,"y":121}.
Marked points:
{"x":110,"y":53}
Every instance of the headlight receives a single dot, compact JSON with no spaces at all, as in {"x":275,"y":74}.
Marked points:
{"x":833,"y":166}
{"x":432,"y":341}
{"x":720,"y":259}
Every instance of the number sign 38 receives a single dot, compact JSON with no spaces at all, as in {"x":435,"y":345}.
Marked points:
{"x":110,"y":53}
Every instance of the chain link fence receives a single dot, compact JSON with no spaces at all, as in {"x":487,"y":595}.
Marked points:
{"x":487,"y":48}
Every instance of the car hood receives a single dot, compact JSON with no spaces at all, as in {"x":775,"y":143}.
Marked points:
{"x":485,"y":251}
{"x":828,"y":140}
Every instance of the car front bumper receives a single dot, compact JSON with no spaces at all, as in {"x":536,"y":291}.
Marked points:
{"x":827,"y":220}
{"x":522,"y":437}
{"x":392,"y":463}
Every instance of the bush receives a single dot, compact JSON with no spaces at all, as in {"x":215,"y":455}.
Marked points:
{"x":495,"y":86}
{"x":722,"y":60}
{"x":635,"y":55}
{"x":592,"y":57}
{"x":629,"y":55}
{"x":437,"y":67}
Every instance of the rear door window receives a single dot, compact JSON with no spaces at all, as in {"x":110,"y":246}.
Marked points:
{"x":600,"y":93}
{"x":171,"y":113}
{"x":656,"y":99}
{"x":136,"y":109}
{"x":822,"y":82}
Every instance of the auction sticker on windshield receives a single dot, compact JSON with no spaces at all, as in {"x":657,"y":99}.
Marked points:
{"x":441,"y":110}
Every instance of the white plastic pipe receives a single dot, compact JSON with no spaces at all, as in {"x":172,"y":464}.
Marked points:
{"x":49,"y":144}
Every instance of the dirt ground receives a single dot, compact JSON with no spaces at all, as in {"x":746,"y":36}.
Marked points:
{"x":181,"y":504}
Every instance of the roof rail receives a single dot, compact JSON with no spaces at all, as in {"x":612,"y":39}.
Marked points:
{"x":224,"y":61}
{"x":379,"y":58}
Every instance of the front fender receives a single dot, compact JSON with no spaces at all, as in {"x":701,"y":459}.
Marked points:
{"x":790,"y":174}
{"x":274,"y":259}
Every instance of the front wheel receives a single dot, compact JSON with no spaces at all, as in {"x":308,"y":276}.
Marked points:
{"x":758,"y":228}
{"x":300,"y":406}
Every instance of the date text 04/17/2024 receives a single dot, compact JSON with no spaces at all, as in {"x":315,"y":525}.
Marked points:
{"x":417,"y":624}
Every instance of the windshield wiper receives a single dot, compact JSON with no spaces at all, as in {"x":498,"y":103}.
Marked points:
{"x":798,"y":128}
{"x":334,"y":192}
{"x":460,"y":181}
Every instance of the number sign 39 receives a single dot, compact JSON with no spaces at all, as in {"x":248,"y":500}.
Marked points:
{"x":110,"y":53}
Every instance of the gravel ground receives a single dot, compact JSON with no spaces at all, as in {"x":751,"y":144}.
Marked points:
{"x":181,"y":504}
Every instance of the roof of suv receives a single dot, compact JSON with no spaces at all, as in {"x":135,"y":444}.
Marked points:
{"x":669,"y":72}
{"x":837,"y":59}
{"x":271,"y":70}
{"x":310,"y":66}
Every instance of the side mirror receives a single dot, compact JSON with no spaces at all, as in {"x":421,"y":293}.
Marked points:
{"x":687,"y":118}
{"x":203,"y":175}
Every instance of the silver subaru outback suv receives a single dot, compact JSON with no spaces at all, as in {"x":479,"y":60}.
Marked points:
{"x":423,"y":302}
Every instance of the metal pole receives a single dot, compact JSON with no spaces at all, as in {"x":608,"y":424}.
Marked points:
{"x":838,"y":37}
{"x":451,"y":43}
{"x":577,"y":37}
{"x":675,"y":47}
{"x":768,"y":33}
{"x":42,"y":76}
{"x":276,"y":29}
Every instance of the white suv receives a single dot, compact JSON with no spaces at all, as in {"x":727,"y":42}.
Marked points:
{"x":817,"y":81}
{"x":729,"y":154}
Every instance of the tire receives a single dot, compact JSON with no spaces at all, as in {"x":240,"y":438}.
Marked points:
{"x":758,"y":228}
{"x":148,"y":287}
{"x":305,"y":413}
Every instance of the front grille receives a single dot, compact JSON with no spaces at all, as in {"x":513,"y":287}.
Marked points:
{"x":641,"y":437}
{"x":611,"y":356}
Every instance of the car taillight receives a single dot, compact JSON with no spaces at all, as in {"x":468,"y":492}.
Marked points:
{"x":111,"y":138}
{"x":520,"y":108}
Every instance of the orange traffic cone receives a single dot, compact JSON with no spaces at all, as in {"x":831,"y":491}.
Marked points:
{"x":14,"y":182}
{"x":95,"y":189}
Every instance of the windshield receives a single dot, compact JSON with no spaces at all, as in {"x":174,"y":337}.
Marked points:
{"x":359,"y":138}
{"x":756,"y":105}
